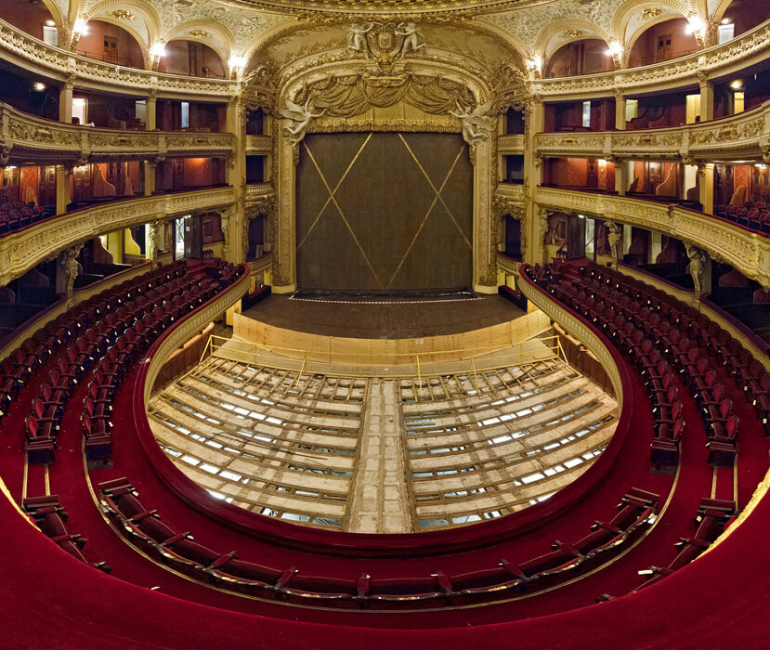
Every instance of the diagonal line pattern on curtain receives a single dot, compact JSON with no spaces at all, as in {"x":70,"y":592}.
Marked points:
{"x":438,"y":192}
{"x":430,"y":209}
{"x":339,"y":209}
{"x":331,"y":192}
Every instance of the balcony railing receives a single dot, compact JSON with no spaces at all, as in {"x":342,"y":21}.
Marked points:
{"x":747,"y":251}
{"x":23,"y":250}
{"x":737,"y":137}
{"x":30,"y":138}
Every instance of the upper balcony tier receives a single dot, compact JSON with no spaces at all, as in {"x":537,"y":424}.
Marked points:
{"x":54,"y":63}
{"x":728,"y":58}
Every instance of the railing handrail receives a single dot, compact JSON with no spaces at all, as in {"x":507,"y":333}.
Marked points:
{"x":526,"y":356}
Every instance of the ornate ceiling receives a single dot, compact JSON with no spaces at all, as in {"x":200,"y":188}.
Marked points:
{"x":535,"y":28}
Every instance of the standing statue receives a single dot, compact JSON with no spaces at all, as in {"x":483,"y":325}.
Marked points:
{"x":614,"y":238}
{"x":474,"y":123}
{"x":301,"y":116}
{"x":224,"y":226}
{"x":153,"y":237}
{"x":412,"y":36}
{"x":357,"y":38}
{"x":68,"y":261}
{"x":697,"y":268}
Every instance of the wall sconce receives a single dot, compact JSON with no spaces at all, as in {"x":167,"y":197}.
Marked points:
{"x":697,"y":28}
{"x":534,"y":65}
{"x":237,"y":61}
{"x":38,"y":86}
{"x":615,"y":50}
{"x":158,"y":50}
{"x":80,"y":28}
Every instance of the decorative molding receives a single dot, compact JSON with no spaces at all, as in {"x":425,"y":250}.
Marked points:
{"x":28,"y":138}
{"x":511,"y":144}
{"x":261,"y":264}
{"x":747,"y":251}
{"x":21,"y":251}
{"x":259,"y":145}
{"x":507,"y":265}
{"x":258,"y":192}
{"x":738,"y":136}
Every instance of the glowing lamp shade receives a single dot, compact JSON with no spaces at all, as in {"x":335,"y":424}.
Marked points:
{"x":80,"y":27}
{"x":158,"y":50}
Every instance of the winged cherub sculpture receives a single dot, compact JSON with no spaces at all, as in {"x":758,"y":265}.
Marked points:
{"x":301,"y":117}
{"x":474,"y":122}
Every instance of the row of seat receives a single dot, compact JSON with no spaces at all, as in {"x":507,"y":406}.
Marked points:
{"x":137,"y":332}
{"x":16,"y":218}
{"x":144,"y":527}
{"x":49,"y":515}
{"x":111,"y":324}
{"x":756,"y":217}
{"x":691,"y":342}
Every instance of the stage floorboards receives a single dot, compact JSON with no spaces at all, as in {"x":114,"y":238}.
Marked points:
{"x":394,"y":320}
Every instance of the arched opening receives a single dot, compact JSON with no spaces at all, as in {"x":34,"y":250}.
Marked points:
{"x":667,"y":40}
{"x":742,"y":16}
{"x":32,"y":17}
{"x":111,"y":44}
{"x":191,"y":58}
{"x":580,"y":57}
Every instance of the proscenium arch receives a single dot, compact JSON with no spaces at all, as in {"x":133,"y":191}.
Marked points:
{"x":483,"y":156}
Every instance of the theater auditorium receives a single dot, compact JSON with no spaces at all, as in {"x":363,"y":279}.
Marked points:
{"x":384,"y":324}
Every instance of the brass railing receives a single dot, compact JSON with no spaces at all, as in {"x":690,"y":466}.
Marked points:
{"x":535,"y":350}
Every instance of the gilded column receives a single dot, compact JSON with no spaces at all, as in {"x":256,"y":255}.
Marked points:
{"x":534,"y":121}
{"x":65,"y":100}
{"x":706,"y":98}
{"x":620,"y":109}
{"x":237,"y":115}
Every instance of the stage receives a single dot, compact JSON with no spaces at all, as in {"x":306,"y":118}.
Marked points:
{"x":388,"y":319}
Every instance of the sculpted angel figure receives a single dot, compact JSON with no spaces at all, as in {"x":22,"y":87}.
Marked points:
{"x":301,"y":116}
{"x":474,"y":123}
{"x":412,"y":35}
{"x":357,"y":38}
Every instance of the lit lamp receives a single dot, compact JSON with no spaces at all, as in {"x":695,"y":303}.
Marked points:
{"x":534,"y":65}
{"x":237,"y":63}
{"x":79,"y":28}
{"x":697,"y":28}
{"x":157,"y":50}
{"x":615,"y":50}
